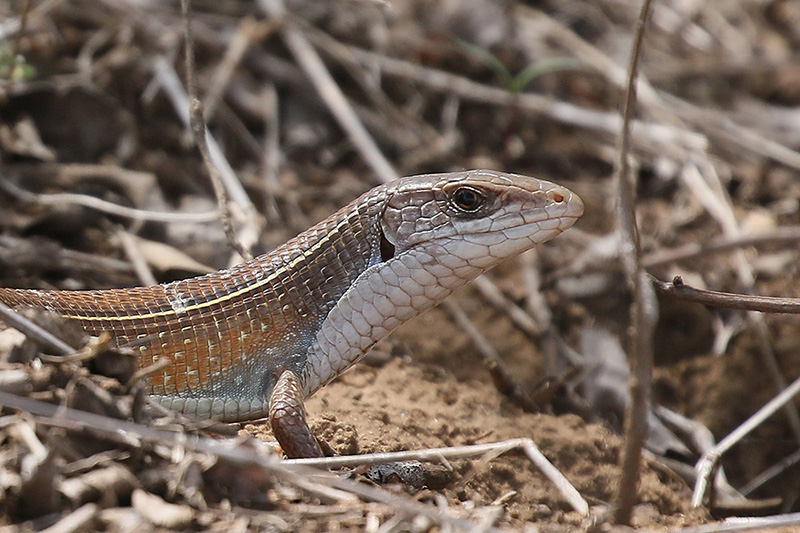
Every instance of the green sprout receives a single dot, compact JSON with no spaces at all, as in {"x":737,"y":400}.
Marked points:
{"x":517,"y":83}
{"x":22,"y":71}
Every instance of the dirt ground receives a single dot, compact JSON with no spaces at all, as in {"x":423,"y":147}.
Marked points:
{"x":526,"y":87}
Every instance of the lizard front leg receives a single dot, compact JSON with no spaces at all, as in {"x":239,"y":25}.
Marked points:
{"x":287,"y":416}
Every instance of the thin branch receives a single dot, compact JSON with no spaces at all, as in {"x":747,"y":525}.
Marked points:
{"x":329,"y":92}
{"x":138,"y":262}
{"x":198,"y":125}
{"x":704,"y":181}
{"x":271,"y":161}
{"x":35,"y":255}
{"x":33,"y":331}
{"x":81,"y":519}
{"x":728,"y":300}
{"x":503,"y":378}
{"x":771,"y":473}
{"x":716,"y":126}
{"x":492,"y":293}
{"x":104,"y":206}
{"x":199,"y":130}
{"x":708,"y":463}
{"x":656,"y":135}
{"x":166,"y":78}
{"x":459,"y":452}
{"x":785,"y":234}
{"x":643,"y":307}
{"x":247,"y":31}
{"x":780,"y":522}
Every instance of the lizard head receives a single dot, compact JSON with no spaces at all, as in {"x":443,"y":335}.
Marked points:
{"x":474,"y":218}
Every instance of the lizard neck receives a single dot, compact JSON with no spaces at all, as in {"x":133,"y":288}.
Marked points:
{"x":384,"y":296}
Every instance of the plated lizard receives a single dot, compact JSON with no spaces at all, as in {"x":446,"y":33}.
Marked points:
{"x":256,"y":339}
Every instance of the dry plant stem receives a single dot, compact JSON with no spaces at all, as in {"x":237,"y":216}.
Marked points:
{"x":34,"y":331}
{"x":69,"y":260}
{"x":596,"y":59}
{"x":407,"y":132}
{"x":770,"y":473}
{"x":166,"y":78}
{"x":728,"y":300}
{"x":148,"y":370}
{"x":702,"y":178}
{"x":138,"y":185}
{"x":736,"y":136}
{"x":518,"y":316}
{"x":199,"y":130}
{"x":460,"y":452}
{"x":85,"y":353}
{"x":246,"y":32}
{"x":785,"y":234}
{"x":304,"y":477}
{"x":198,"y":125}
{"x":556,"y":360}
{"x":646,"y":134}
{"x":643,"y":306}
{"x":665,"y":106}
{"x":329,"y":92}
{"x":708,"y":462}
{"x":25,"y":432}
{"x":81,"y":519}
{"x":501,"y":376}
{"x":104,"y":206}
{"x":143,"y":271}
{"x":732,"y":525}
{"x":272,"y":153}
{"x":535,"y":303}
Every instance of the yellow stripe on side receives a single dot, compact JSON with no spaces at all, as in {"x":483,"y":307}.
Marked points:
{"x":316,"y":246}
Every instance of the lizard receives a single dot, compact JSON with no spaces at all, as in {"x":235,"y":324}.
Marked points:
{"x":254,"y":340}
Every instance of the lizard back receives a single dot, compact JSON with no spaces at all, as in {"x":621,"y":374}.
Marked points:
{"x":228,"y":334}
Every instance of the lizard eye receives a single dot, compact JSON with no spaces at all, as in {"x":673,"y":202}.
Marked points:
{"x":467,"y":199}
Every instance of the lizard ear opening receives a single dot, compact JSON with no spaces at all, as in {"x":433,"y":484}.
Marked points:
{"x":387,"y":248}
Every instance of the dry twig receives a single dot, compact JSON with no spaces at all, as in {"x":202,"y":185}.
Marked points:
{"x":109,"y":208}
{"x":166,"y":78}
{"x":272,"y":152}
{"x":703,"y":179}
{"x":493,"y":449}
{"x":782,"y":235}
{"x":728,"y":300}
{"x":329,"y":92}
{"x":34,"y":331}
{"x":198,"y":124}
{"x":143,"y":271}
{"x":247,"y":31}
{"x":708,"y":463}
{"x":645,"y":134}
{"x":643,"y":307}
{"x":502,"y":377}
